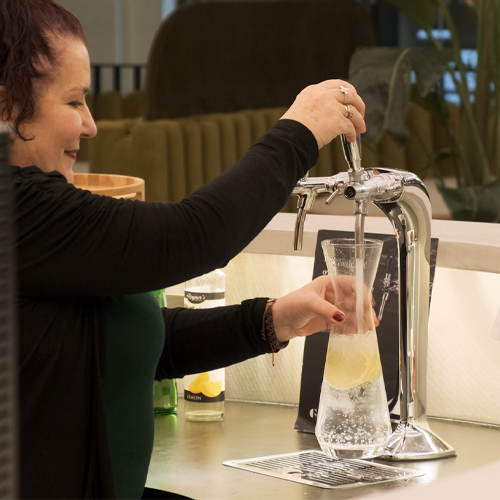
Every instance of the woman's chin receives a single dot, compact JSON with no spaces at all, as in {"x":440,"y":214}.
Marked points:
{"x":67,"y":171}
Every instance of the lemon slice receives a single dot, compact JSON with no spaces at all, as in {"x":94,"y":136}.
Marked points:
{"x":212,"y":389}
{"x":196,"y":386}
{"x":348,"y":364}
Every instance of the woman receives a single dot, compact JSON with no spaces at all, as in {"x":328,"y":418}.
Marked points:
{"x":91,"y":336}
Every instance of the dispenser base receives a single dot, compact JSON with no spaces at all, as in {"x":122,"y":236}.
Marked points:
{"x":415,"y":442}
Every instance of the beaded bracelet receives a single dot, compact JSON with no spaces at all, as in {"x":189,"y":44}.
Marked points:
{"x":268,"y":329}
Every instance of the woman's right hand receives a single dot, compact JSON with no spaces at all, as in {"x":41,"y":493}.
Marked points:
{"x":324,"y":109}
{"x":318,"y":306}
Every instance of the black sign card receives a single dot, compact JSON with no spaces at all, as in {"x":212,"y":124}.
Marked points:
{"x":386,"y":293}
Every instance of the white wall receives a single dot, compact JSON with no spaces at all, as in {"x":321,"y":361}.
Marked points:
{"x":141,"y":20}
{"x":119,"y":31}
{"x":98,"y":21}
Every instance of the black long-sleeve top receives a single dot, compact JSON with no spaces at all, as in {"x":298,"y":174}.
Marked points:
{"x":77,"y":250}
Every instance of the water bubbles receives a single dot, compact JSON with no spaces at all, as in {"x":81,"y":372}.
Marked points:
{"x":353,"y":419}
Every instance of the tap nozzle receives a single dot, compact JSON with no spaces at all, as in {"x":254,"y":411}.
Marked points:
{"x":306,"y":189}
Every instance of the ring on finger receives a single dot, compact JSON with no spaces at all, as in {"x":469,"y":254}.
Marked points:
{"x":349,"y":112}
{"x":344,"y":91}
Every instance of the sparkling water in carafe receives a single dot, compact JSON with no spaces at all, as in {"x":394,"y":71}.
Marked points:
{"x":353,"y":417}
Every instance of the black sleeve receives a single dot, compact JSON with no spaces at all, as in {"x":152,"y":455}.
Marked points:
{"x":199,"y":340}
{"x":71,"y":242}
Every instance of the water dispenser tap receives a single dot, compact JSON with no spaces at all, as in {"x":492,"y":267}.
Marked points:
{"x":404,"y":200}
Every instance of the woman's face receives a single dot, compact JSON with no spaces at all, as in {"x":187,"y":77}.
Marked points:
{"x":62,"y":117}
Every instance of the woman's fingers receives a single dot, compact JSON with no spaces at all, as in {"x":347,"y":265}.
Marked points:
{"x":321,"y":108}
{"x":345,"y":93}
{"x":357,"y":122}
{"x":345,"y":290}
{"x":319,"y":305}
{"x":327,"y":311}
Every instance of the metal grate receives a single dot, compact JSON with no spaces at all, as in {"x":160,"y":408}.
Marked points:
{"x":317,"y":469}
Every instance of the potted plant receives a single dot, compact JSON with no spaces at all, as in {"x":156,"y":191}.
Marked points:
{"x":389,"y":79}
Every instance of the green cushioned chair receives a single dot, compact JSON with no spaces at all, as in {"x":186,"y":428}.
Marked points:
{"x":210,"y":57}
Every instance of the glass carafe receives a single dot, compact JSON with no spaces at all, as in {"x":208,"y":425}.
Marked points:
{"x":353,"y":417}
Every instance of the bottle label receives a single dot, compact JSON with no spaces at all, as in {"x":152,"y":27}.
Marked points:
{"x":202,"y":300}
{"x":206,"y":387}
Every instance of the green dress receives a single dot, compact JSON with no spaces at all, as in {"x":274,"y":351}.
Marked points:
{"x":135,"y":335}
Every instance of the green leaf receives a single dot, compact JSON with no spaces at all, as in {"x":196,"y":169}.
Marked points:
{"x":422,"y":12}
{"x":397,"y":105}
{"x":438,"y":109}
{"x":381,"y":76}
{"x":432,"y":163}
{"x":442,"y":154}
{"x":433,"y":103}
{"x":370,"y":72}
{"x":429,"y":66}
{"x":478,"y":203}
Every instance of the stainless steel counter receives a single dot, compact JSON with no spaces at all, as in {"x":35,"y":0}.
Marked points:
{"x":188,"y":456}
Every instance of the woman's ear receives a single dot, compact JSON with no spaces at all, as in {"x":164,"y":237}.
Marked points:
{"x":5,"y":116}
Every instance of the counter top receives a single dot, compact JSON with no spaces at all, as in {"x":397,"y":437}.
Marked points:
{"x":462,"y":245}
{"x":187,"y":457}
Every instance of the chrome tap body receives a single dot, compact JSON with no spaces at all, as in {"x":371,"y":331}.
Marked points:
{"x":403,"y":198}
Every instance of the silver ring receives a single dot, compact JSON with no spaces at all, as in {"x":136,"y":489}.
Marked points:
{"x":344,"y":91}
{"x":349,"y":112}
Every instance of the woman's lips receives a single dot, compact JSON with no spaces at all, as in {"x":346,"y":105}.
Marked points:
{"x":72,"y":154}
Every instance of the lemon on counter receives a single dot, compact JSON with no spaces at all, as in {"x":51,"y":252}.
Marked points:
{"x":351,"y":362}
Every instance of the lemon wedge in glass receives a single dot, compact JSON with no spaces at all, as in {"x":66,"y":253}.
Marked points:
{"x":350,"y":362}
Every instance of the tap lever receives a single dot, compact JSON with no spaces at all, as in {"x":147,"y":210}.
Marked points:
{"x":335,"y":186}
{"x":352,"y":152}
{"x":332,"y":196}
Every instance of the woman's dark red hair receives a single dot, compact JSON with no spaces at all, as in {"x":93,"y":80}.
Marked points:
{"x":26,"y":30}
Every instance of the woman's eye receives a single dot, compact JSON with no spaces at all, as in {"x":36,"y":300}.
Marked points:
{"x":75,"y":104}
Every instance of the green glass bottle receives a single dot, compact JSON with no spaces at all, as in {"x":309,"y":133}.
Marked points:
{"x":164,"y":392}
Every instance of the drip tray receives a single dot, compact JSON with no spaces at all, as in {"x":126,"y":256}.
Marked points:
{"x":317,"y":469}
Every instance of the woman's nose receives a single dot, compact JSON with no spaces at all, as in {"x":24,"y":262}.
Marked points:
{"x":89,"y":128}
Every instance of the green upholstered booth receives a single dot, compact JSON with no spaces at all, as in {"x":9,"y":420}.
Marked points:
{"x":175,"y":156}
